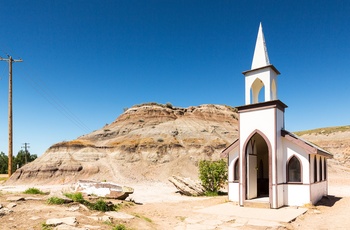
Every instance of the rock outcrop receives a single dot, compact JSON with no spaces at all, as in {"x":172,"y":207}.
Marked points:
{"x":146,"y":142}
{"x":187,"y":186}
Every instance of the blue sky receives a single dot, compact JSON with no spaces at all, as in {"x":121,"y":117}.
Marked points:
{"x":84,"y":61}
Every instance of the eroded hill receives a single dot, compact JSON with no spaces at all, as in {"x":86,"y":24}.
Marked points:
{"x":147,"y":142}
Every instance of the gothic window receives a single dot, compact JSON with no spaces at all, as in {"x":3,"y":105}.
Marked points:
{"x":294,"y":170}
{"x":236,"y":170}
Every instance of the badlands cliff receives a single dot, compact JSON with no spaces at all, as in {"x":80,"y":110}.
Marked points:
{"x":146,"y":142}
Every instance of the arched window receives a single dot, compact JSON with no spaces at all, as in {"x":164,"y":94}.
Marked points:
{"x":315,"y":169}
{"x":236,"y":170}
{"x":294,"y":170}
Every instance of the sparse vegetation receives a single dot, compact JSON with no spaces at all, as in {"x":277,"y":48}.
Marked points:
{"x":143,"y":217}
{"x":55,"y":200}
{"x":325,"y":131}
{"x":44,"y":226}
{"x":76,"y":197}
{"x":102,"y":206}
{"x":99,"y":205}
{"x":34,"y":191}
{"x":169,"y":105}
{"x":120,"y":227}
{"x":213,"y":175}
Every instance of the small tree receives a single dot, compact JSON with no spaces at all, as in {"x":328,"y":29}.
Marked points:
{"x":213,"y":175}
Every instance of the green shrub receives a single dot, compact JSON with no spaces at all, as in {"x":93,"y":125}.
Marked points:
{"x":44,"y":226}
{"x":102,"y":206}
{"x":120,"y":227}
{"x":99,"y":205}
{"x":76,"y":197}
{"x":33,"y":191}
{"x":213,"y":175}
{"x":55,"y":200}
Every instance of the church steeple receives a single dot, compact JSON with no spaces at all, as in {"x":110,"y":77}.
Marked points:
{"x":260,"y":58}
{"x":262,"y":76}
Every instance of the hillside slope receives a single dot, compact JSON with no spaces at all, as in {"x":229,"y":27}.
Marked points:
{"x":147,"y":142}
{"x":335,"y":140}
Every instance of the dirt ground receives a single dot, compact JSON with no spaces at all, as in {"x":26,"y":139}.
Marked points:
{"x":156,"y":205}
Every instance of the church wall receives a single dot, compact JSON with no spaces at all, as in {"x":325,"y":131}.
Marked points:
{"x":263,"y":120}
{"x":291,"y":149}
{"x":318,"y":190}
{"x":233,"y":186}
{"x":296,"y":194}
{"x":279,"y":147}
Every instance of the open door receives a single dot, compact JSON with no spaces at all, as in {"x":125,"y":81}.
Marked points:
{"x":252,"y":177}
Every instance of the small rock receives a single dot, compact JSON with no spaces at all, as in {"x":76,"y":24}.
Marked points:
{"x":106,"y":218}
{"x":11,"y":205}
{"x":73,"y":208}
{"x":119,"y":215}
{"x":32,"y":198}
{"x":1,"y":206}
{"x":5,"y":211}
{"x":67,"y":227}
{"x":91,"y":227}
{"x":95,"y":218}
{"x":15,"y":198}
{"x":72,"y":221}
{"x":34,"y":218}
{"x":317,"y":211}
{"x":84,"y":207}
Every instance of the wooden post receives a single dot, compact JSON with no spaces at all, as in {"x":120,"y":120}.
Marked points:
{"x":10,"y":150}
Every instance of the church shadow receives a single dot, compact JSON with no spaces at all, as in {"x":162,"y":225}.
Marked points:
{"x":328,"y":201}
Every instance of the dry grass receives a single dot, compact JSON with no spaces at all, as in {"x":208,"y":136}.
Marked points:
{"x":74,"y":143}
{"x":325,"y":131}
{"x":3,"y":178}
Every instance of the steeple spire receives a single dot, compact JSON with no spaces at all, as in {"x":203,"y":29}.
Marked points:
{"x":260,"y":58}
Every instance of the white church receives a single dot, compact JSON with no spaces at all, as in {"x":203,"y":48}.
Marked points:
{"x":267,"y":163}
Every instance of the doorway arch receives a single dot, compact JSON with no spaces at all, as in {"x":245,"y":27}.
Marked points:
{"x":257,"y":163}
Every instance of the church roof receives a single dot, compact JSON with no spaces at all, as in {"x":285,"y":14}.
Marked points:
{"x":308,"y":146}
{"x":229,"y":148}
{"x":260,"y":58}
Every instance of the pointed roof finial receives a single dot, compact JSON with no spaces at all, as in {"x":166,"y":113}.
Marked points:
{"x":260,"y":58}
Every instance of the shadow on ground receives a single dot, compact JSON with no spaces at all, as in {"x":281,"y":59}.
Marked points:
{"x":328,"y":201}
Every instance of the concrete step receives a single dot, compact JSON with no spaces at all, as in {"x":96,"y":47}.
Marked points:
{"x":256,"y":204}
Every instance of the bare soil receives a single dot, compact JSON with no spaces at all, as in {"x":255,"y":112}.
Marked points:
{"x":157,"y":205}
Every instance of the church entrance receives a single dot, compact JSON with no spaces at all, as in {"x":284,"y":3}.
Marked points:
{"x":257,"y":168}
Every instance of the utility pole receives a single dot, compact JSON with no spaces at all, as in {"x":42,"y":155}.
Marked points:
{"x":26,"y":146}
{"x":10,"y":150}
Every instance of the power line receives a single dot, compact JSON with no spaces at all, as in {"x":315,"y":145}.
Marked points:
{"x":45,"y":92}
{"x":26,"y":146}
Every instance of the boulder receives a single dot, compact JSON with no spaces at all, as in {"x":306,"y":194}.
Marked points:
{"x":72,"y":221}
{"x":187,"y":186}
{"x":15,"y":198}
{"x":103,"y":189}
{"x":5,"y":211}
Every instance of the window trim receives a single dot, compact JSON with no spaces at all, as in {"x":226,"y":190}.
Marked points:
{"x":236,"y":164}
{"x":301,"y":170}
